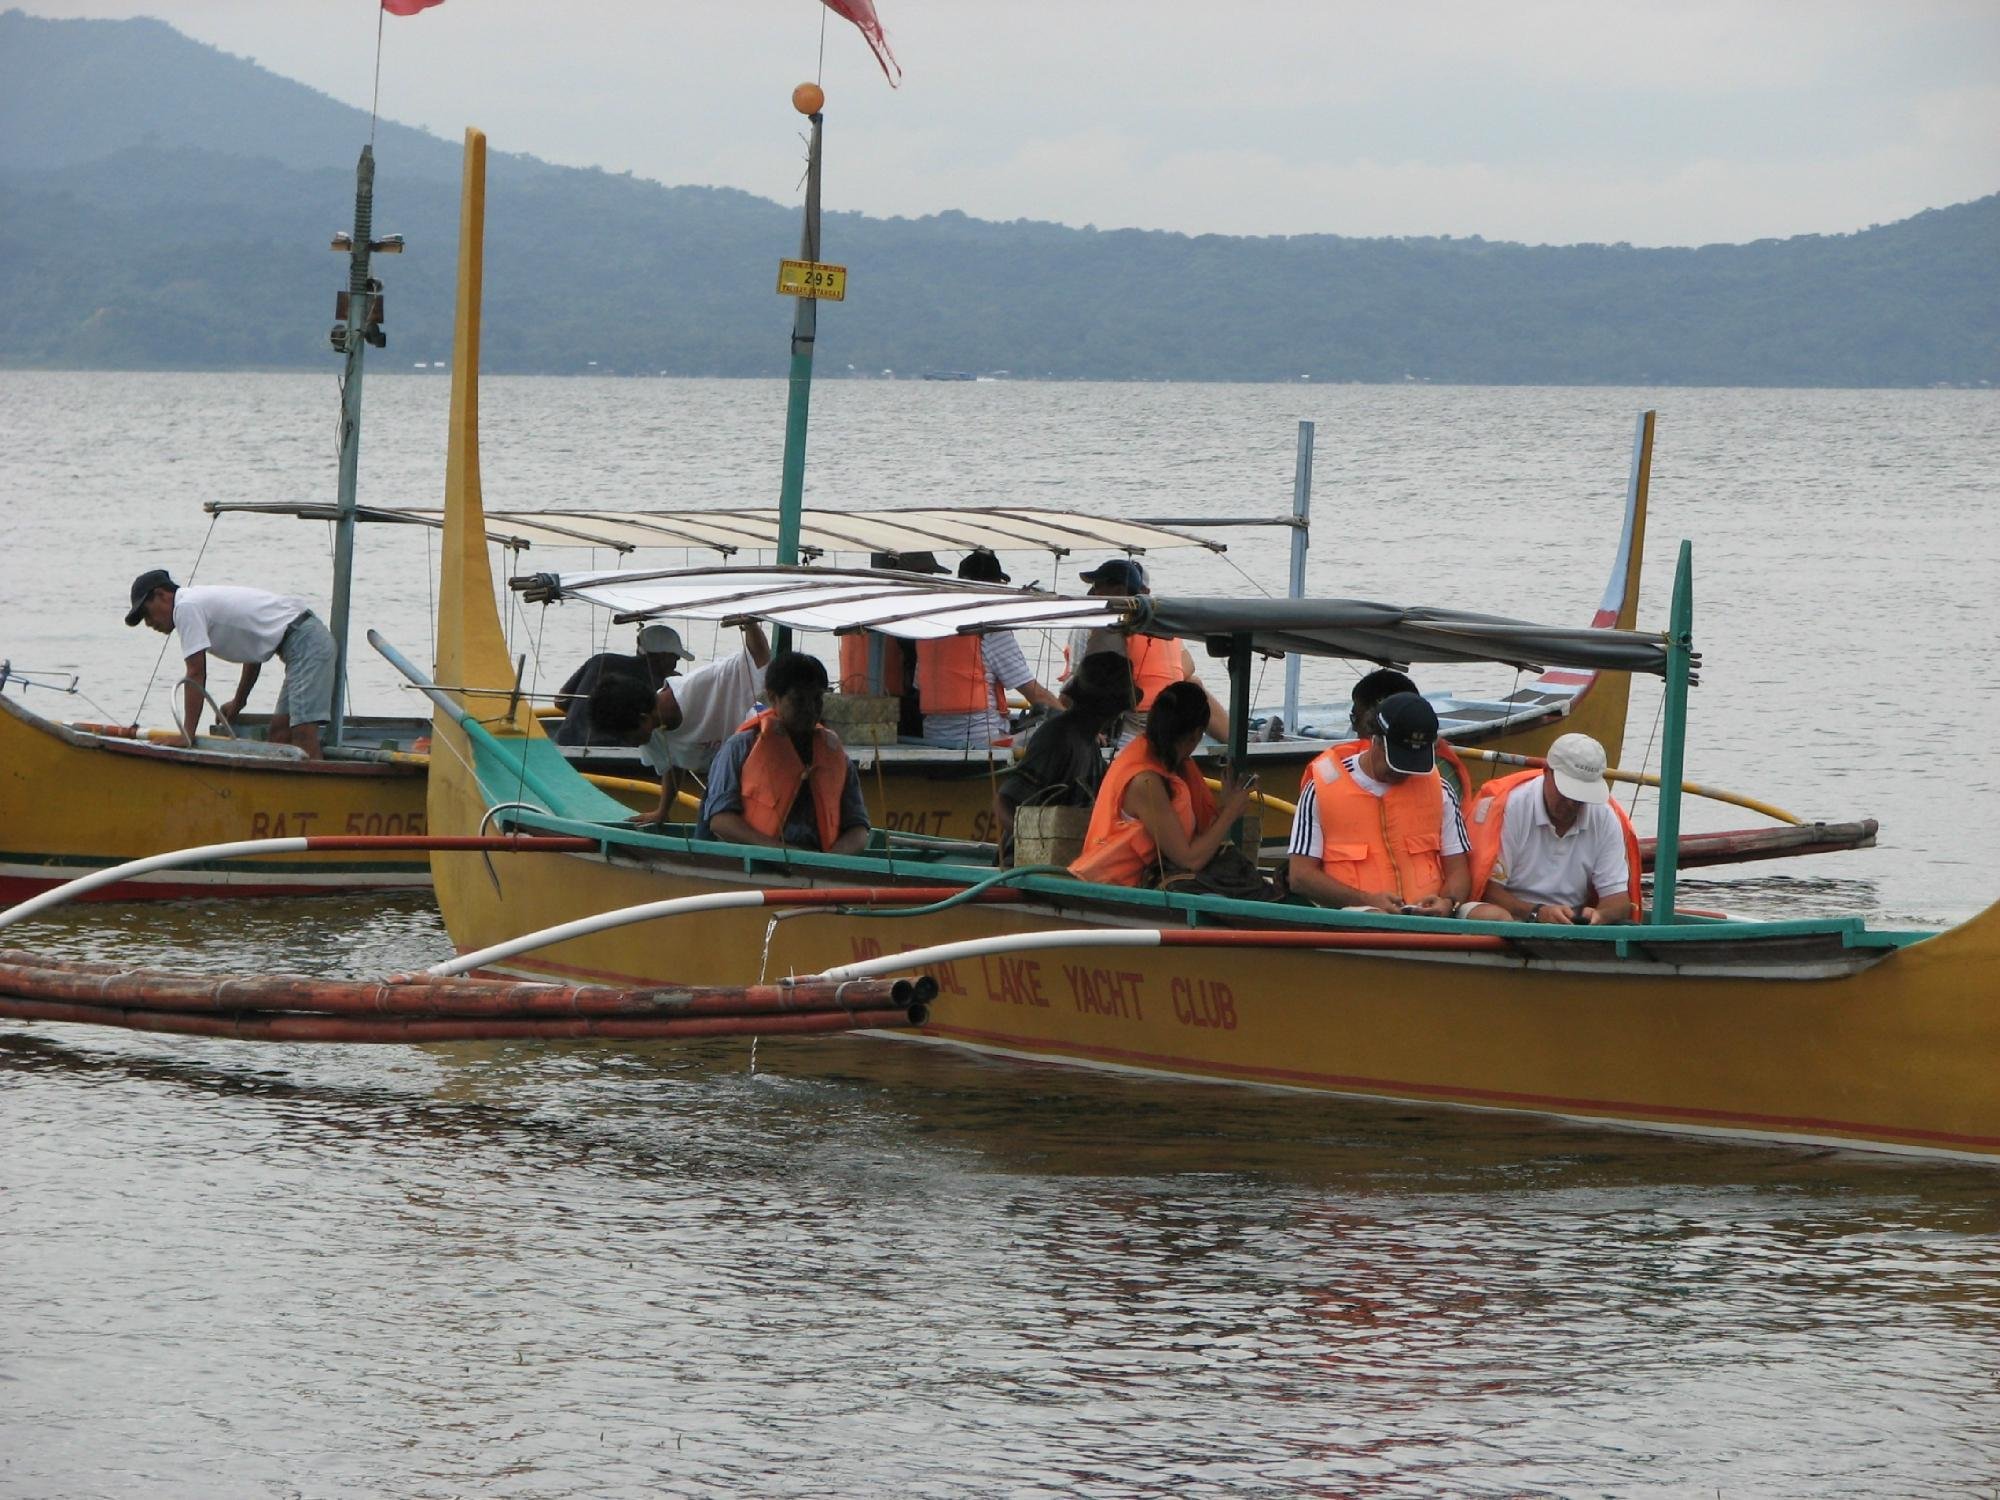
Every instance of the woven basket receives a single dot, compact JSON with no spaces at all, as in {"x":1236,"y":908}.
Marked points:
{"x":1049,"y":835}
{"x":860,"y":719}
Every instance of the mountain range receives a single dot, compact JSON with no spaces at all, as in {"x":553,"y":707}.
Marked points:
{"x":164,"y":205}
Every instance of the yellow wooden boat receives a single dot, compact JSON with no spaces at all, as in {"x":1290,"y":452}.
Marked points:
{"x":1817,"y":1031}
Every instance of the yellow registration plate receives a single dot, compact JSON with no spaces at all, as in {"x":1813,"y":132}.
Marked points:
{"x":811,"y":278}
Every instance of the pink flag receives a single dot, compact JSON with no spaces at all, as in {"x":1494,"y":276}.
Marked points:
{"x":408,"y":7}
{"x":862,"y":14}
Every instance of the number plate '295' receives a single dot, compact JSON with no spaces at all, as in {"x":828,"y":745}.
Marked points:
{"x":811,"y":278}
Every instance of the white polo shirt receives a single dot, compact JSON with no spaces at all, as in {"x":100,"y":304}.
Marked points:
{"x":237,"y":624}
{"x":1541,"y":865}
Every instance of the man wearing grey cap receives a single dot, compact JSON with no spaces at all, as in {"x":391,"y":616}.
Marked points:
{"x":1549,"y":845}
{"x":679,"y":722}
{"x":661,"y":652}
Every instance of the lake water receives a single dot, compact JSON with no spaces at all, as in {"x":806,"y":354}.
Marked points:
{"x":847,"y":1267}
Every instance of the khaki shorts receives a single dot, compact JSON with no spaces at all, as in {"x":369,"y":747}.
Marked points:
{"x":307,"y":652}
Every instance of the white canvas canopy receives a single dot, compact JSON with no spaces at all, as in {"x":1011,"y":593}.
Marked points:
{"x":728,"y":532}
{"x":919,"y":607}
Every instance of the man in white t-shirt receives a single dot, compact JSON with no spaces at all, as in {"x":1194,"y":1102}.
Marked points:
{"x":249,"y":627}
{"x":685,"y":723}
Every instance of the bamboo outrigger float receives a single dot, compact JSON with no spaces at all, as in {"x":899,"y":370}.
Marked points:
{"x":1820,"y":1031}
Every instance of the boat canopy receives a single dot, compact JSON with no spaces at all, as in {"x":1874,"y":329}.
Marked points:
{"x":919,"y":607}
{"x":991,"y":529}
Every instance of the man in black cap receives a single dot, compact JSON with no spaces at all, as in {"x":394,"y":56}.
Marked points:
{"x":248,"y":627}
{"x":1377,"y":827}
{"x":963,"y":681}
{"x":1156,"y":662}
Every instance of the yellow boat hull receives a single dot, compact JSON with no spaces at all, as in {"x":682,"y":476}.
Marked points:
{"x":71,"y":803}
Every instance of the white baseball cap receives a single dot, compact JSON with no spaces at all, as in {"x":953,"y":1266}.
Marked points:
{"x":663,"y":640}
{"x":1577,"y":763}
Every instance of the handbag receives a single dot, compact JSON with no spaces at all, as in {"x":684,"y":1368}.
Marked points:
{"x":1231,"y":873}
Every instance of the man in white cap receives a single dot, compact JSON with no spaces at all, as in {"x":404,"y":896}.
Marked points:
{"x":1549,"y":845}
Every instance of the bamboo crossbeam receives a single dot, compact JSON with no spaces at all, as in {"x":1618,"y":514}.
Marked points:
{"x":292,"y":1027}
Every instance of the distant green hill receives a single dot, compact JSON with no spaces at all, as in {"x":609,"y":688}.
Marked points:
{"x":165,"y":205}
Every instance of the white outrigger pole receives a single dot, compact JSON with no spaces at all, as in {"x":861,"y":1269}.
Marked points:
{"x":359,"y":309}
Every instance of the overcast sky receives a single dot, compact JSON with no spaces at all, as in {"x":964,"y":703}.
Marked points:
{"x":1669,"y":122}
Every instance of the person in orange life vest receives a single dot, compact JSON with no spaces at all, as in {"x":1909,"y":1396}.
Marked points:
{"x":1154,"y":807}
{"x":1551,"y":846}
{"x":1375,"y":826}
{"x":962,"y":680}
{"x":1155,"y":663}
{"x":884,"y":665}
{"x":784,"y":780}
{"x":1362,"y":702}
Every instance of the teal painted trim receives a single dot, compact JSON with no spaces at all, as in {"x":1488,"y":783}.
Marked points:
{"x":1204,"y":910}
{"x":1673,"y":742}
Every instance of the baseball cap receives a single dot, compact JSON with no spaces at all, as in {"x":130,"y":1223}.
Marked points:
{"x":142,"y":588}
{"x":907,"y":562}
{"x":663,"y":640}
{"x":1120,"y":572}
{"x":982,"y":567}
{"x":1577,"y":763}
{"x":1408,"y":728}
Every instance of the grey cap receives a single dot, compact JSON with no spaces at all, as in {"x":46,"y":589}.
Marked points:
{"x":663,"y":640}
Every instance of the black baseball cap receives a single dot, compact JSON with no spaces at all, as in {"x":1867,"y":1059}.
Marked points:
{"x":982,"y":567}
{"x":142,"y":590}
{"x":1407,"y":726}
{"x":907,"y":562}
{"x":1125,"y":573}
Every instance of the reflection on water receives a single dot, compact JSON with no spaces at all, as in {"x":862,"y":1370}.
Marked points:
{"x":875,"y":1267}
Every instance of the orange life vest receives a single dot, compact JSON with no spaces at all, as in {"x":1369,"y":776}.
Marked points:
{"x":1117,"y":849}
{"x":1155,"y":664}
{"x":773,"y":773}
{"x":1445,"y":753}
{"x":855,"y":650}
{"x":1386,"y":843}
{"x":1486,"y":820}
{"x":951,"y":678}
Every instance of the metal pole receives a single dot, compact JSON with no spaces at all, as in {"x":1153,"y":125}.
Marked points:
{"x":1302,"y":489}
{"x":1673,"y":743}
{"x":360,"y":304}
{"x":1239,"y":724}
{"x":805,"y":323}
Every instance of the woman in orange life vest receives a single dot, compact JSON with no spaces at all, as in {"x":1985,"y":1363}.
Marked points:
{"x":1375,"y":827}
{"x":1156,"y":663}
{"x":962,"y":680}
{"x":1154,"y":807}
{"x":784,"y":780}
{"x":1550,"y":845}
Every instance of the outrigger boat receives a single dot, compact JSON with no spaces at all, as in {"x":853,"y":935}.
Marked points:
{"x":82,"y":796}
{"x":1816,"y":1031}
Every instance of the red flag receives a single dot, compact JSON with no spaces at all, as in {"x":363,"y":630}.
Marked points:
{"x":862,"y":14}
{"x":408,"y":7}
